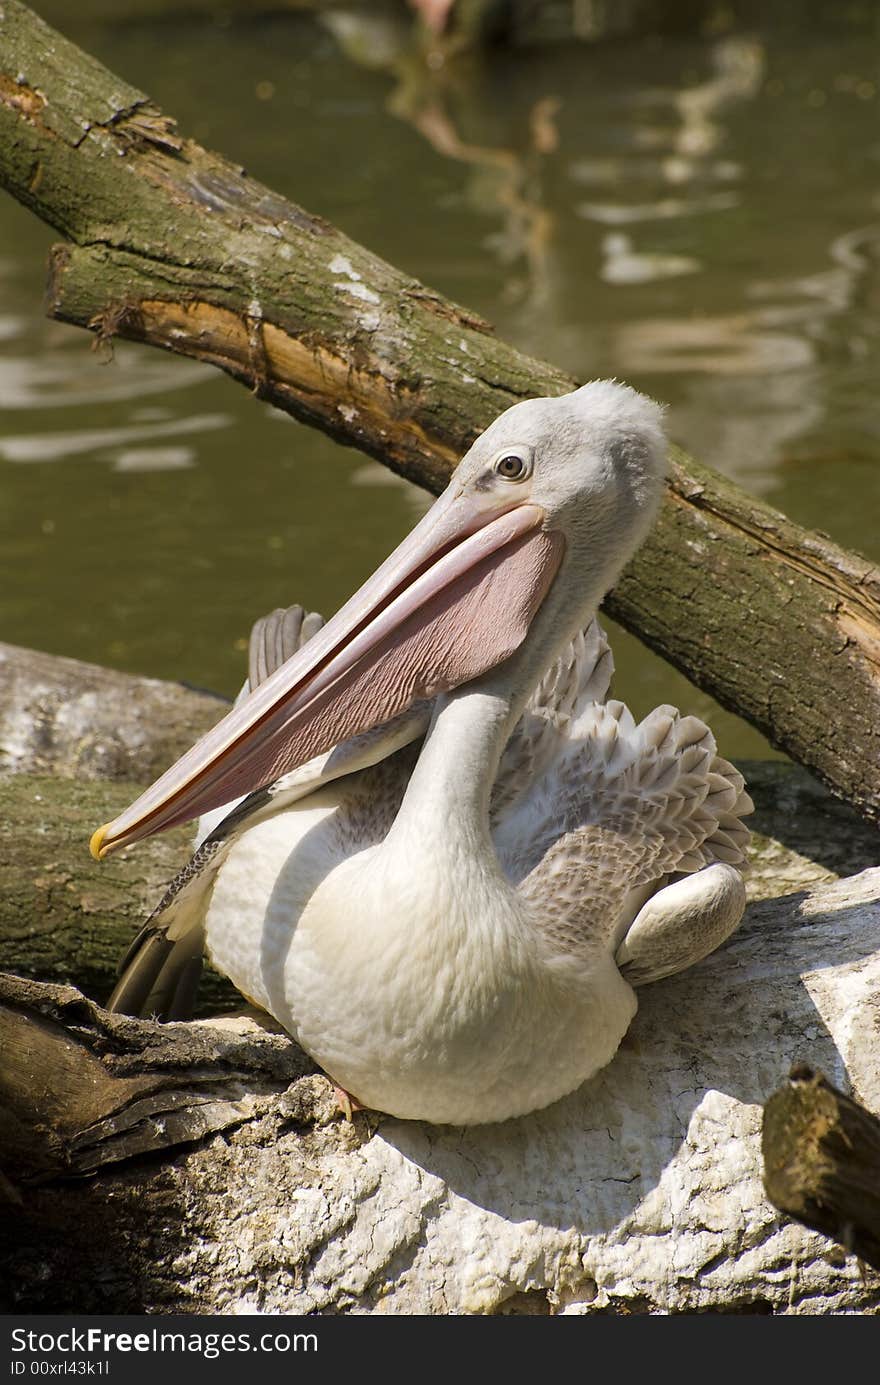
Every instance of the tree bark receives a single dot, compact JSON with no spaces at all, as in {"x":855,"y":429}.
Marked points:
{"x":77,"y":743}
{"x":81,"y":1089}
{"x":821,"y":1155}
{"x":172,"y":245}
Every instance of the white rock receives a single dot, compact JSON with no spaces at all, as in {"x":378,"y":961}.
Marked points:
{"x":641,"y":1192}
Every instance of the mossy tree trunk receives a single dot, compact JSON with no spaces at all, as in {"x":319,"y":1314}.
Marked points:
{"x":78,"y":743}
{"x":170,"y":244}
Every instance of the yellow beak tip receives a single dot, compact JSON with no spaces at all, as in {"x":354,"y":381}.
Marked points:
{"x":96,"y":845}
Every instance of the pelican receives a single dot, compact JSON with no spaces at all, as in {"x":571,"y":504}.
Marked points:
{"x":431,"y":847}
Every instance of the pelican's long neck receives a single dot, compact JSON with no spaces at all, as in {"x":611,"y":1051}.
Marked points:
{"x":452,"y":781}
{"x":447,"y":799}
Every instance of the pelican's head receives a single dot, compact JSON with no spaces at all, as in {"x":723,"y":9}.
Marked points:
{"x":593,"y":461}
{"x":556,"y":493}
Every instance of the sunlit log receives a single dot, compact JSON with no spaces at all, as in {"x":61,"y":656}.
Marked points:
{"x":170,"y":244}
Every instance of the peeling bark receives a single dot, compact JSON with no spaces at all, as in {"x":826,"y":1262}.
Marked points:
{"x":173,"y":245}
{"x":81,"y":1089}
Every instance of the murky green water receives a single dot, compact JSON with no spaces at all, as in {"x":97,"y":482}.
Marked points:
{"x":698,"y":217}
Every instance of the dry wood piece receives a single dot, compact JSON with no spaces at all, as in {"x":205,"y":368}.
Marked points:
{"x":822,"y":1161}
{"x":173,"y":245}
{"x":81,"y":1089}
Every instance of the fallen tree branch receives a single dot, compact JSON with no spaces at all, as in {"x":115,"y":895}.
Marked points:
{"x":81,"y":1089}
{"x":78,"y":742}
{"x":172,"y":245}
{"x":822,"y":1161}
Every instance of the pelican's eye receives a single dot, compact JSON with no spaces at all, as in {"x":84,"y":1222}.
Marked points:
{"x":513,"y":466}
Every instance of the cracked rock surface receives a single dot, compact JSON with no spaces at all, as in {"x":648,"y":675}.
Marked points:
{"x":641,"y":1192}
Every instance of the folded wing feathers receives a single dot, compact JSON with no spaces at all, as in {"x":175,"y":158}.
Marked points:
{"x":580,"y":676}
{"x":571,"y":687}
{"x":277,"y":636}
{"x":617,"y":804}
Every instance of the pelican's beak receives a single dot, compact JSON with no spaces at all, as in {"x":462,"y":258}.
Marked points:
{"x":455,"y":599}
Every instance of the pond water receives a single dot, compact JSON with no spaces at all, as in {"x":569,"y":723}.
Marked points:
{"x":697,"y":216}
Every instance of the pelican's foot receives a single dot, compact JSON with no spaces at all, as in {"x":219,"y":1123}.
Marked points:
{"x":347,"y":1103}
{"x":681,"y":924}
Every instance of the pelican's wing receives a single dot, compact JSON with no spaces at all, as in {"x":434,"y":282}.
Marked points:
{"x":274,"y":639}
{"x":578,"y":679}
{"x":620,"y":809}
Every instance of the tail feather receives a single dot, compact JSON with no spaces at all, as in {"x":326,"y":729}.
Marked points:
{"x":160,"y":977}
{"x":160,"y":972}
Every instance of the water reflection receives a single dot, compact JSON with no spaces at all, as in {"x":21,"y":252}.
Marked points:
{"x":506,"y":179}
{"x":778,"y":347}
{"x":697,"y":216}
{"x":55,"y":378}
{"x":685,"y":132}
{"x":682,"y":126}
{"x":154,"y":459}
{"x":623,"y":264}
{"x":612,"y":214}
{"x":55,"y":447}
{"x":374,"y":475}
